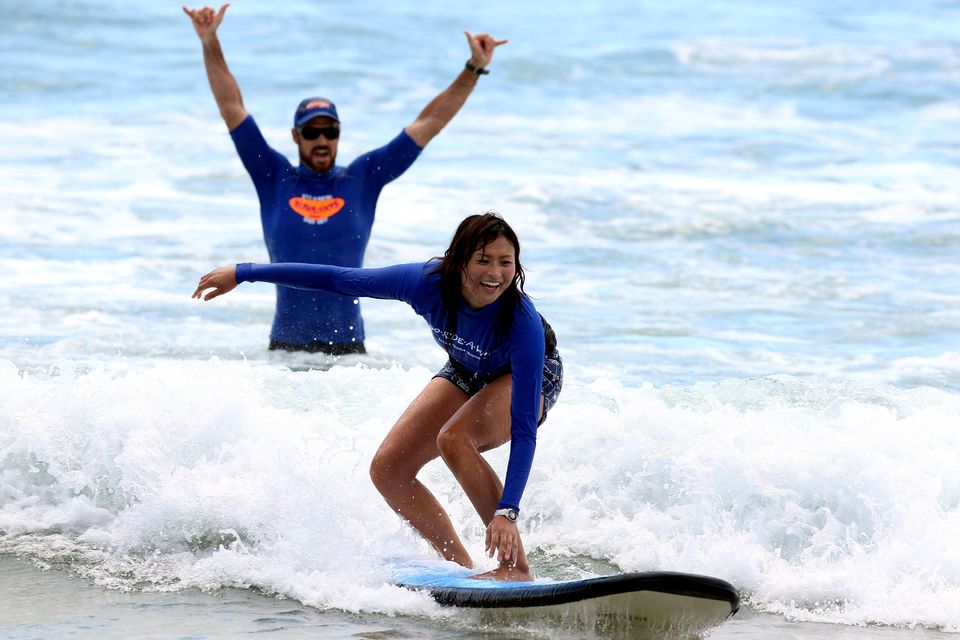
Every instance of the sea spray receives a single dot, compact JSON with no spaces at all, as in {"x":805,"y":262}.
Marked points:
{"x":821,"y":501}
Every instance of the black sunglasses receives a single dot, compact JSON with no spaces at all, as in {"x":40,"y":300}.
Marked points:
{"x":312,"y":133}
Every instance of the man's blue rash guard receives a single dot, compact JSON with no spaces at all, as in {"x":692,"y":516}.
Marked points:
{"x":475,"y":345}
{"x":318,"y":218}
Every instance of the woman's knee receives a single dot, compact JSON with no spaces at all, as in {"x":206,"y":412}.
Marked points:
{"x":384,"y":471}
{"x":396,"y":464}
{"x":452,"y":440}
{"x":379,"y":471}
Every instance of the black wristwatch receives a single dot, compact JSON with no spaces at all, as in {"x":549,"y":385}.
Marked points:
{"x":479,"y":71}
{"x":509,"y":514}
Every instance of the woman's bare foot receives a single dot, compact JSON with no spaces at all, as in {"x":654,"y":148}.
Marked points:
{"x":504,"y":573}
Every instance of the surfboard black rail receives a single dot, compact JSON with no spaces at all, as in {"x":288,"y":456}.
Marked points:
{"x":554,"y":593}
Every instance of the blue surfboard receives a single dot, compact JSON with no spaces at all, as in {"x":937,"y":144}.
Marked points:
{"x":652,"y":601}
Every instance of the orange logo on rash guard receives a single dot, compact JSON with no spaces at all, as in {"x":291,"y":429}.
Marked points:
{"x":316,"y":209}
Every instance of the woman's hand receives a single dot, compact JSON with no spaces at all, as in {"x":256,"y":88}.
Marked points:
{"x":222,"y":280}
{"x":504,"y":539}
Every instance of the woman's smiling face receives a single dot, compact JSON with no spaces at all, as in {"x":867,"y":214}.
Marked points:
{"x":489,"y":273}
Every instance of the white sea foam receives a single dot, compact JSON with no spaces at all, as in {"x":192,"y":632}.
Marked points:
{"x":821,"y":501}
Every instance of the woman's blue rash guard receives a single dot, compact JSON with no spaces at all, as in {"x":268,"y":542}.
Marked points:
{"x":303,"y":317}
{"x":475,"y":345}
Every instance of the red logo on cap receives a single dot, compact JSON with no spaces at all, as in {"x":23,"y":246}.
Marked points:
{"x":317,"y":104}
{"x":316,"y":209}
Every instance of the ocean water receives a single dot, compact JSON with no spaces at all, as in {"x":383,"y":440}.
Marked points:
{"x":742,"y":219}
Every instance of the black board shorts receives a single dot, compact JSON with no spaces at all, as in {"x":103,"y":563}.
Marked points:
{"x":319,"y":346}
{"x":471,"y":383}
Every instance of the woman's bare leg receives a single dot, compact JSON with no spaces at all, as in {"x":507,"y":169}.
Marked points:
{"x":481,"y":424}
{"x":411,"y":444}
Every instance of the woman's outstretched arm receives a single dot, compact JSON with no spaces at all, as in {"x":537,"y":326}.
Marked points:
{"x":397,"y":282}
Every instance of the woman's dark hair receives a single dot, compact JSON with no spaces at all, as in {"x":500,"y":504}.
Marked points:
{"x":476,"y":232}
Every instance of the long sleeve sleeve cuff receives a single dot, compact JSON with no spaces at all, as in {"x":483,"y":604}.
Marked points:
{"x":243,"y":272}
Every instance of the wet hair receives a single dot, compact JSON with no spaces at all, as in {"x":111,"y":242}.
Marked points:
{"x":475,"y":233}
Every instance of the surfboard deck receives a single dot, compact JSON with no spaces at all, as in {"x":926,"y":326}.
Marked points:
{"x":655,"y":601}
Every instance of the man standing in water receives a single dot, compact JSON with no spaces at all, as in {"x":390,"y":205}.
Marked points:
{"x":321,"y":212}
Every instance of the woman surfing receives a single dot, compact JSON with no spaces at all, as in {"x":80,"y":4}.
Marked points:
{"x":502,"y":376}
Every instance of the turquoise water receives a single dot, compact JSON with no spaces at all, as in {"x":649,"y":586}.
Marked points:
{"x":741,"y":219}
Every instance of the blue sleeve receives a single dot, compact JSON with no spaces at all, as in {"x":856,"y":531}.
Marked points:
{"x":398,"y":282}
{"x":387,"y":163}
{"x":259,"y":159}
{"x":526,"y":364}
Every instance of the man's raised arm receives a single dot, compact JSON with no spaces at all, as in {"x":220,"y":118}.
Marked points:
{"x":224,"y":86}
{"x":441,"y":109}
